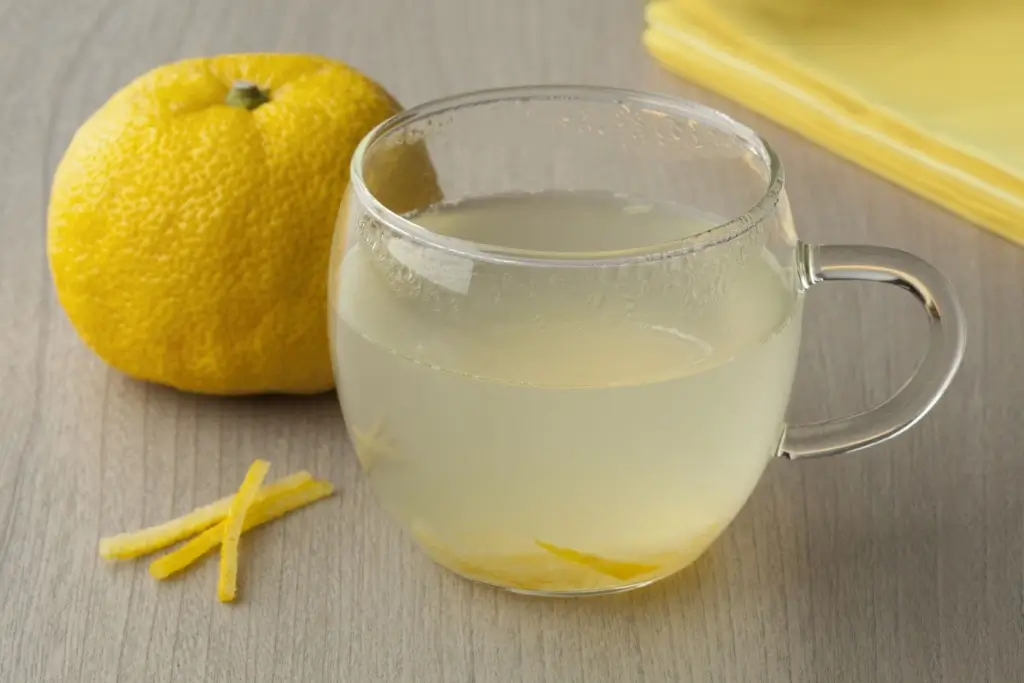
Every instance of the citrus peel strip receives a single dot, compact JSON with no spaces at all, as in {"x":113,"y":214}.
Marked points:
{"x":260,"y":513}
{"x":227,"y":578}
{"x":613,"y":568}
{"x":134,"y":544}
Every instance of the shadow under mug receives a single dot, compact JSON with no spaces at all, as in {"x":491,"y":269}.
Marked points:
{"x":602,"y":482}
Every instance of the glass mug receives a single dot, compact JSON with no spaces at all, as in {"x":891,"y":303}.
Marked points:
{"x":565,"y":323}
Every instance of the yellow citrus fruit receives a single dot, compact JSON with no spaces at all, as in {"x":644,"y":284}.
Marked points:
{"x":191,"y":217}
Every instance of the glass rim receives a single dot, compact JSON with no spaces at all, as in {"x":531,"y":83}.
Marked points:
{"x":677,"y":107}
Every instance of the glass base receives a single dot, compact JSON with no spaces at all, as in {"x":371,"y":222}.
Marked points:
{"x":557,"y":593}
{"x":584,"y":593}
{"x":555,"y":572}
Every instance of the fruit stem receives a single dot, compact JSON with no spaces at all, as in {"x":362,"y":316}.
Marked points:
{"x":246,"y":95}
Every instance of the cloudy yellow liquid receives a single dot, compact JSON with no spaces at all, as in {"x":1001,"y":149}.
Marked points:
{"x":586,"y":430}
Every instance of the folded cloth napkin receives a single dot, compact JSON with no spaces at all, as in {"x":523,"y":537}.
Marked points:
{"x":927,"y":93}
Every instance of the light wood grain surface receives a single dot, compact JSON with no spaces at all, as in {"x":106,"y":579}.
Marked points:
{"x":905,"y":563}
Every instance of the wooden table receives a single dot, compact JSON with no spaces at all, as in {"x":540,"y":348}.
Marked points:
{"x":904,"y":563}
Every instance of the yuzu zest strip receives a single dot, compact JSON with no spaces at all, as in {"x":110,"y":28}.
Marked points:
{"x":260,"y":513}
{"x":227,"y":578}
{"x":614,"y":568}
{"x":145,"y":541}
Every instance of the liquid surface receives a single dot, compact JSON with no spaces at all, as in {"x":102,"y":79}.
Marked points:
{"x":562,"y":429}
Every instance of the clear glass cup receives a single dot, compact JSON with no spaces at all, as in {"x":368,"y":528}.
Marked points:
{"x":565,"y":323}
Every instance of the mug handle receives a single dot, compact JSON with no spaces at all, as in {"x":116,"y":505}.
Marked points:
{"x":946,"y":340}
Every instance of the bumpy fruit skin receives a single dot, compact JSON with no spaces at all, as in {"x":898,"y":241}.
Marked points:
{"x":189,"y":238}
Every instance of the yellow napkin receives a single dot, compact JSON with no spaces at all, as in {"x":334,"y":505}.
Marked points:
{"x":927,"y":93}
